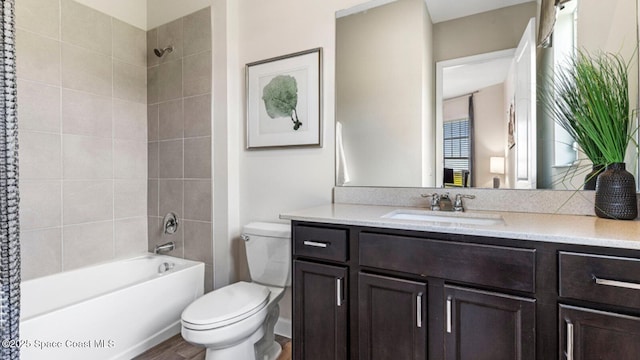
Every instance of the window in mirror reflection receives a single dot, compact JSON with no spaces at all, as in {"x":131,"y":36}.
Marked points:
{"x":456,"y":144}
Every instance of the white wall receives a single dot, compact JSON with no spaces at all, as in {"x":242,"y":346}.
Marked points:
{"x":133,"y":12}
{"x":379,"y":93}
{"x":259,"y":185}
{"x":490,"y":129}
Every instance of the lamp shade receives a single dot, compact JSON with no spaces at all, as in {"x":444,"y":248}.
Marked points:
{"x":496,"y":165}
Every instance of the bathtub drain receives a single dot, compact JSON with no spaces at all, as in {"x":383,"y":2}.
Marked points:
{"x":164,"y":267}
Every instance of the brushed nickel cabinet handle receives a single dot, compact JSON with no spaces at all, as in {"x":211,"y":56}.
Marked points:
{"x":569,"y":341}
{"x":615,"y":283}
{"x":419,"y":310}
{"x":315,"y":244}
{"x":339,"y":291}
{"x":449,"y":315}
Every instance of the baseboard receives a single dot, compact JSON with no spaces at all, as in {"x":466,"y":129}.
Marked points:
{"x":283,"y":327}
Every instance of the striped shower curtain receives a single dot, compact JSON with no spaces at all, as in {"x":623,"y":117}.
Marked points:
{"x":9,"y":197}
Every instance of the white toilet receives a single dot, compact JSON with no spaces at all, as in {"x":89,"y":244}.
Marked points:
{"x":237,"y":321}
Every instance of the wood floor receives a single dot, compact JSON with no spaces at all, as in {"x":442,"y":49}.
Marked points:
{"x":176,"y":348}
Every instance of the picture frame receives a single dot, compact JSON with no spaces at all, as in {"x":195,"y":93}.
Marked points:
{"x":284,"y":101}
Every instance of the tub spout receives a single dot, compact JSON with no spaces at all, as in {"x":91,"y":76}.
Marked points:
{"x":166,"y":247}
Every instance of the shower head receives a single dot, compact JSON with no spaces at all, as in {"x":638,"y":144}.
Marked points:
{"x":160,"y":52}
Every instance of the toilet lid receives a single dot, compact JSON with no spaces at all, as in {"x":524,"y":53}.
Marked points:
{"x":226,"y":305}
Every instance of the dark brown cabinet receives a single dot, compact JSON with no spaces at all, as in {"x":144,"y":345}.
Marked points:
{"x":588,"y":334}
{"x":482,"y":325}
{"x":364,"y":293}
{"x":320,"y":305}
{"x":392,"y":318}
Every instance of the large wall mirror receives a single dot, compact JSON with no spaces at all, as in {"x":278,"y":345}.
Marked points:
{"x":433,"y":93}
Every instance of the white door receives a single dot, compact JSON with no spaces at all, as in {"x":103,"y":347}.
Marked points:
{"x":525,"y":109}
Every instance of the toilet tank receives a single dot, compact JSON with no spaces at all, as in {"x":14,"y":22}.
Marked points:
{"x":268,"y":247}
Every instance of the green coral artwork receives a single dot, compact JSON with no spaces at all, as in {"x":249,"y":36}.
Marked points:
{"x":280,"y":98}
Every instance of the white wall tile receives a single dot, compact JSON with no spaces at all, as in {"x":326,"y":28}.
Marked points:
{"x":86,"y":70}
{"x":39,"y":155}
{"x":129,"y":82}
{"x":39,"y":58}
{"x":40,"y":204}
{"x":39,"y":106}
{"x":129,"y":120}
{"x":131,"y":236}
{"x":86,"y":114}
{"x":87,"y":201}
{"x":130,"y":198}
{"x":86,"y":27}
{"x":87,"y":244}
{"x":87,"y":157}
{"x":129,"y":43}
{"x":130,"y":159}
{"x":41,"y":252}
{"x":40,"y":17}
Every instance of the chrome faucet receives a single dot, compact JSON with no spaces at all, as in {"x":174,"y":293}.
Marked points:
{"x":435,"y":200}
{"x":166,"y":247}
{"x":439,"y":202}
{"x":457,"y":203}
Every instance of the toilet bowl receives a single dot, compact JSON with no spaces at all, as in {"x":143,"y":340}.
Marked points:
{"x":237,"y":321}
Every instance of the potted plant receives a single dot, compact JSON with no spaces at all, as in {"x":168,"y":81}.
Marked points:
{"x":591,"y":102}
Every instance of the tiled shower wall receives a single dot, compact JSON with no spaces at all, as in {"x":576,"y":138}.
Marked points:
{"x":83,"y":137}
{"x":179,"y":134}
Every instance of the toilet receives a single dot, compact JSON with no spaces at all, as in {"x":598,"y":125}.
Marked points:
{"x":237,"y":321}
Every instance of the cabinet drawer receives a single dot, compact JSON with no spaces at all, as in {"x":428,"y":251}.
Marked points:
{"x":601,"y":279}
{"x":495,"y":266}
{"x":320,"y":243}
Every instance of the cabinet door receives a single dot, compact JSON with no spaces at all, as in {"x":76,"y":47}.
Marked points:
{"x":587,"y":334}
{"x":482,"y":325}
{"x":392,"y":318}
{"x":320,"y":311}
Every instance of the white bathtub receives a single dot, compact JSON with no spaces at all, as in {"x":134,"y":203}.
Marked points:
{"x":114,"y":310}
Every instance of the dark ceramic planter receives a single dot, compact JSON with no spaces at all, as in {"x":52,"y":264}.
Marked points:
{"x":616,"y":194}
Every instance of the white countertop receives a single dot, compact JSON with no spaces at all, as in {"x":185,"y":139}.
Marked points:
{"x":568,"y":229}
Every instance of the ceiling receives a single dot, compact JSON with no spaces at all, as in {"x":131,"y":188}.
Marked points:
{"x":464,"y":79}
{"x":443,"y":10}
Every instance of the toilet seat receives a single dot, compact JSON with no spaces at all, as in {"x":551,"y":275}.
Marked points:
{"x":225,"y":306}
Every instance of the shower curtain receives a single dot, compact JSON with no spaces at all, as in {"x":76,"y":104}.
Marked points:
{"x":9,"y":197}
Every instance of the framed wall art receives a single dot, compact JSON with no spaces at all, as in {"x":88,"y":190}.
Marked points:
{"x":284,"y":101}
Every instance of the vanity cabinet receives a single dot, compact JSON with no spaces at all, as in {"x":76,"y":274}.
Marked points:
{"x":320,"y":299}
{"x":375,"y":293}
{"x":591,"y":334}
{"x":483,"y":325}
{"x":392,"y":318}
{"x":604,"y":281}
{"x":321,"y":321}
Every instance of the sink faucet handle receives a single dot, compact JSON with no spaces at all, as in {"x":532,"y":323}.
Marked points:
{"x":458,"y":205}
{"x":435,"y":200}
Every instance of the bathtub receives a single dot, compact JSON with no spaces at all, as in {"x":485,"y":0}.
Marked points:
{"x":114,"y":310}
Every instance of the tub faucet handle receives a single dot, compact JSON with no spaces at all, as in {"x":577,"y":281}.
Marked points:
{"x":170,"y":223}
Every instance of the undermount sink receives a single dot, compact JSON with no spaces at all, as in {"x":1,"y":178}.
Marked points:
{"x":446,"y":217}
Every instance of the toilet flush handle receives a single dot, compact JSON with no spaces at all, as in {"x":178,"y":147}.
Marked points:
{"x":245,"y":237}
